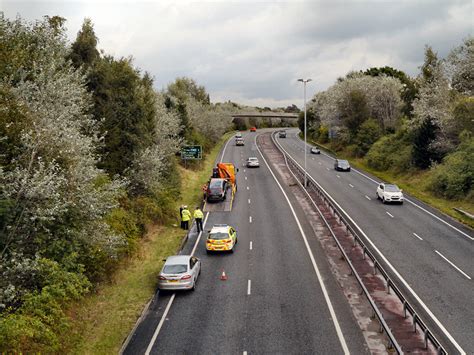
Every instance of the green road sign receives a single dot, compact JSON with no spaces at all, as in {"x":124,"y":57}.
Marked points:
{"x":189,"y":152}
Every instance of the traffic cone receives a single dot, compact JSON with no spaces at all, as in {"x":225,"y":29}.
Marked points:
{"x":223,"y":276}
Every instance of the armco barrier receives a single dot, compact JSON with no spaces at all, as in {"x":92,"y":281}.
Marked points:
{"x":313,"y":185}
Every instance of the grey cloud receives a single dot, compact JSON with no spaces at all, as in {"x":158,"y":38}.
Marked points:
{"x":255,"y":51}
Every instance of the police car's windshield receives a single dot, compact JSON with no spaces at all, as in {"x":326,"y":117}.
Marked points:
{"x":218,"y":235}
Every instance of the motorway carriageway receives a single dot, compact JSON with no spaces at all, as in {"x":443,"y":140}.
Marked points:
{"x":433,"y":254}
{"x":280,"y":296}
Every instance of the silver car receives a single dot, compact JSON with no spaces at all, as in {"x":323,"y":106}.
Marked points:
{"x":252,"y":162}
{"x":180,"y":272}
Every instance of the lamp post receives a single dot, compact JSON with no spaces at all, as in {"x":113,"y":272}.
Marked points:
{"x":304,"y":81}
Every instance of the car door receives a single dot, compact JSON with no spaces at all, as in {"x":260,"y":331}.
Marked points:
{"x":233,"y":234}
{"x":194,"y":267}
{"x":380,"y":190}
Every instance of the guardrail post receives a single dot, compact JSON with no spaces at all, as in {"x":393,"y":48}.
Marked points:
{"x":426,"y":338}
{"x":405,"y":309}
{"x":414,"y":322}
{"x":388,"y":286}
{"x":363,"y":254}
{"x":375,"y":268}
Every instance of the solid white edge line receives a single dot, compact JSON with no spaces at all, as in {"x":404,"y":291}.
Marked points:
{"x":158,"y":328}
{"x":452,"y":264}
{"x":409,"y":201}
{"x":416,"y":235}
{"x":251,"y":245}
{"x":249,"y":285}
{"x":170,"y":302}
{"x":421,"y":208}
{"x":368,"y":198}
{"x":389,"y":214}
{"x":313,"y":261}
{"x":407,"y":286}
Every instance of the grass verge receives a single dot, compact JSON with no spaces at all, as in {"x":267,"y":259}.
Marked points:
{"x":102,"y":321}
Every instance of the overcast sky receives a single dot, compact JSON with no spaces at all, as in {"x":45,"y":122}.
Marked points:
{"x":253,"y":52}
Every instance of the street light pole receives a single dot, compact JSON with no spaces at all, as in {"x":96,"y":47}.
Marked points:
{"x":304,"y":81}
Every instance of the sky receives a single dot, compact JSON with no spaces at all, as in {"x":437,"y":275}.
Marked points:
{"x":253,"y":52}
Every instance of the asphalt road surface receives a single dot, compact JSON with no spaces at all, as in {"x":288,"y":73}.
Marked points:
{"x":433,"y":254}
{"x":273,"y":301}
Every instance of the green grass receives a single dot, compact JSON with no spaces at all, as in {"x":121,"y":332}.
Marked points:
{"x":102,"y":321}
{"x":414,"y":184}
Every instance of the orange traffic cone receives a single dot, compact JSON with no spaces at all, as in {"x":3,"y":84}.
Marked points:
{"x":223,"y":276}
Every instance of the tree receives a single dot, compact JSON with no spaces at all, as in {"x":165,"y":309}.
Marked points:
{"x":460,"y":67}
{"x":185,"y":88}
{"x":409,"y":91}
{"x":433,"y":107}
{"x":423,"y":153}
{"x":84,"y":50}
{"x":124,"y":104}
{"x":354,"y":111}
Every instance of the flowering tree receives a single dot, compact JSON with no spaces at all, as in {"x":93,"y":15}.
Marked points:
{"x":56,"y":197}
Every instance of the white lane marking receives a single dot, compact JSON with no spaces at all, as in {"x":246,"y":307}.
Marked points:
{"x":319,"y":163}
{"x":452,"y":264}
{"x":223,"y":151}
{"x":250,"y":219}
{"x":368,"y":198}
{"x":313,"y":261}
{"x":407,"y":286}
{"x":244,"y":353}
{"x":338,"y":176}
{"x":327,"y":169}
{"x":244,"y":170}
{"x":248,"y":188}
{"x":389,"y":214}
{"x":351,"y":185}
{"x":251,"y":245}
{"x":249,"y":201}
{"x":421,"y":208}
{"x":416,"y":235}
{"x":249,"y":285}
{"x":170,"y":302}
{"x":246,"y":178}
{"x":158,"y":328}
{"x":312,"y":158}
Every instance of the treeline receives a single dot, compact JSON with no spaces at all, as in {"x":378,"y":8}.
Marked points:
{"x":88,"y":158}
{"x":405,"y":125}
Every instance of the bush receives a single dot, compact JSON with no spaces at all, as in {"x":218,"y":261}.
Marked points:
{"x":368,"y":133}
{"x":454,"y":177}
{"x":36,"y":326}
{"x":390,"y":152}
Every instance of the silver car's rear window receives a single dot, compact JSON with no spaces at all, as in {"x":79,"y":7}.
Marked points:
{"x":175,"y":269}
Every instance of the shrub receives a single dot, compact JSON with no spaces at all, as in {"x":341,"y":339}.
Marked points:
{"x":454,"y":177}
{"x":390,"y":152}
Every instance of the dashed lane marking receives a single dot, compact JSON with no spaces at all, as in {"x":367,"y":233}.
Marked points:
{"x":251,"y":245}
{"x":389,"y":214}
{"x":249,"y":286}
{"x":368,"y":198}
{"x":416,"y":235}
{"x":351,"y":185}
{"x":250,"y":219}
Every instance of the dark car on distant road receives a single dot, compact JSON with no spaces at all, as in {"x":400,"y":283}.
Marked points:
{"x":282,"y":134}
{"x":342,"y":165}
{"x":217,"y":189}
